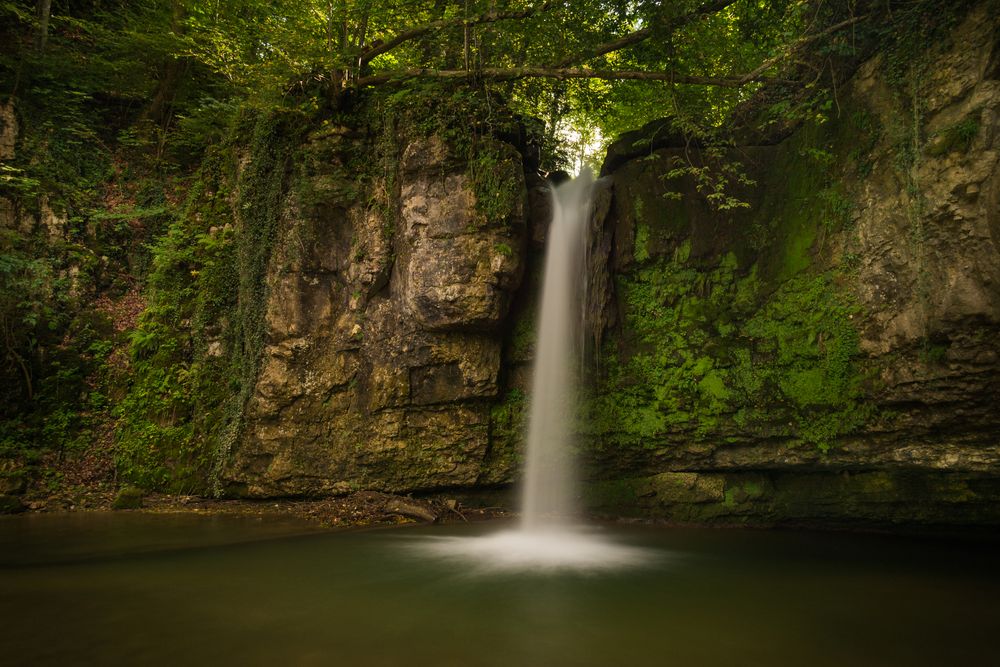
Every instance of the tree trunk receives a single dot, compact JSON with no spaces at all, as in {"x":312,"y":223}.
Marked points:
{"x":170,"y":78}
{"x":42,"y":10}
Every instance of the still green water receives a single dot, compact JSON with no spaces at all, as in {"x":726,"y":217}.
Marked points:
{"x":190,"y":590}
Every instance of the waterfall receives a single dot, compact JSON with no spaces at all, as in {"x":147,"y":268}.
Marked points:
{"x":551,"y":535}
{"x":548,"y":495}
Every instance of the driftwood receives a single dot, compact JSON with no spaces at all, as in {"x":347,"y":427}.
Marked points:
{"x":397,"y":506}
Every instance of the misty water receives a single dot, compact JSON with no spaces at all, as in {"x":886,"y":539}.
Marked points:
{"x":91,"y":589}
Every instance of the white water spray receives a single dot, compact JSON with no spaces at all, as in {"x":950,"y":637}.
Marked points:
{"x":550,"y":536}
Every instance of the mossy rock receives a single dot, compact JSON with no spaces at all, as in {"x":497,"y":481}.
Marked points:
{"x":11,"y":505}
{"x":13,"y":483}
{"x":128,"y":498}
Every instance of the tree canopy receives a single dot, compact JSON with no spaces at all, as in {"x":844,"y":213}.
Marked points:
{"x":609,"y":65}
{"x":605,"y":64}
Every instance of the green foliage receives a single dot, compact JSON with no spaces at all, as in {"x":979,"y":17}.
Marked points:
{"x":184,"y":406}
{"x":916,"y":26}
{"x":91,"y":167}
{"x":52,"y":343}
{"x":714,"y":179}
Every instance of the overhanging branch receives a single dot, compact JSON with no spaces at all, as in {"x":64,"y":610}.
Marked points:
{"x":413,"y":33}
{"x":559,"y":71}
{"x":510,"y":73}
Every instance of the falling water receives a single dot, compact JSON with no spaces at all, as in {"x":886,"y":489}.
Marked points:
{"x":549,"y":476}
{"x":550,"y":536}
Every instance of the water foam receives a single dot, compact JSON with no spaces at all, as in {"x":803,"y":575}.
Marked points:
{"x":550,"y":550}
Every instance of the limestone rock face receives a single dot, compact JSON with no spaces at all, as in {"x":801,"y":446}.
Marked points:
{"x":930,"y":250}
{"x":382,"y":330}
{"x":458,"y":270}
{"x":928,"y":241}
{"x":848,"y":319}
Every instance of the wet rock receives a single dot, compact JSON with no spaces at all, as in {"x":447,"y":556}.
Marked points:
{"x":128,"y":498}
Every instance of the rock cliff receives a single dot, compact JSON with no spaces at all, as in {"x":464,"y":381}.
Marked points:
{"x":842,"y":332}
{"x":823,"y":346}
{"x":383,"y":325}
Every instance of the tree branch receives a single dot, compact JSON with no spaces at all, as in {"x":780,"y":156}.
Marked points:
{"x":413,"y":33}
{"x":560,"y":71}
{"x":506,"y":74}
{"x":798,"y":44}
{"x":645,"y":33}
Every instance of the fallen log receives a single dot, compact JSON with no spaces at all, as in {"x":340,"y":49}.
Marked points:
{"x":396,"y":506}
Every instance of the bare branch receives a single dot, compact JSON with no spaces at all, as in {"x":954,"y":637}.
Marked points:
{"x":413,"y":33}
{"x":506,"y":74}
{"x":645,"y":33}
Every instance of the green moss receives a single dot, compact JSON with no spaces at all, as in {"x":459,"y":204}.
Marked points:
{"x":669,"y":380}
{"x":128,"y":498}
{"x":861,"y":498}
{"x":711,"y":346}
{"x":641,"y":250}
{"x":933,"y":353}
{"x":713,"y":386}
{"x":522,"y":340}
{"x":506,"y":436}
{"x":507,"y":417}
{"x":955,"y":138}
{"x":809,"y":347}
{"x":615,"y":495}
